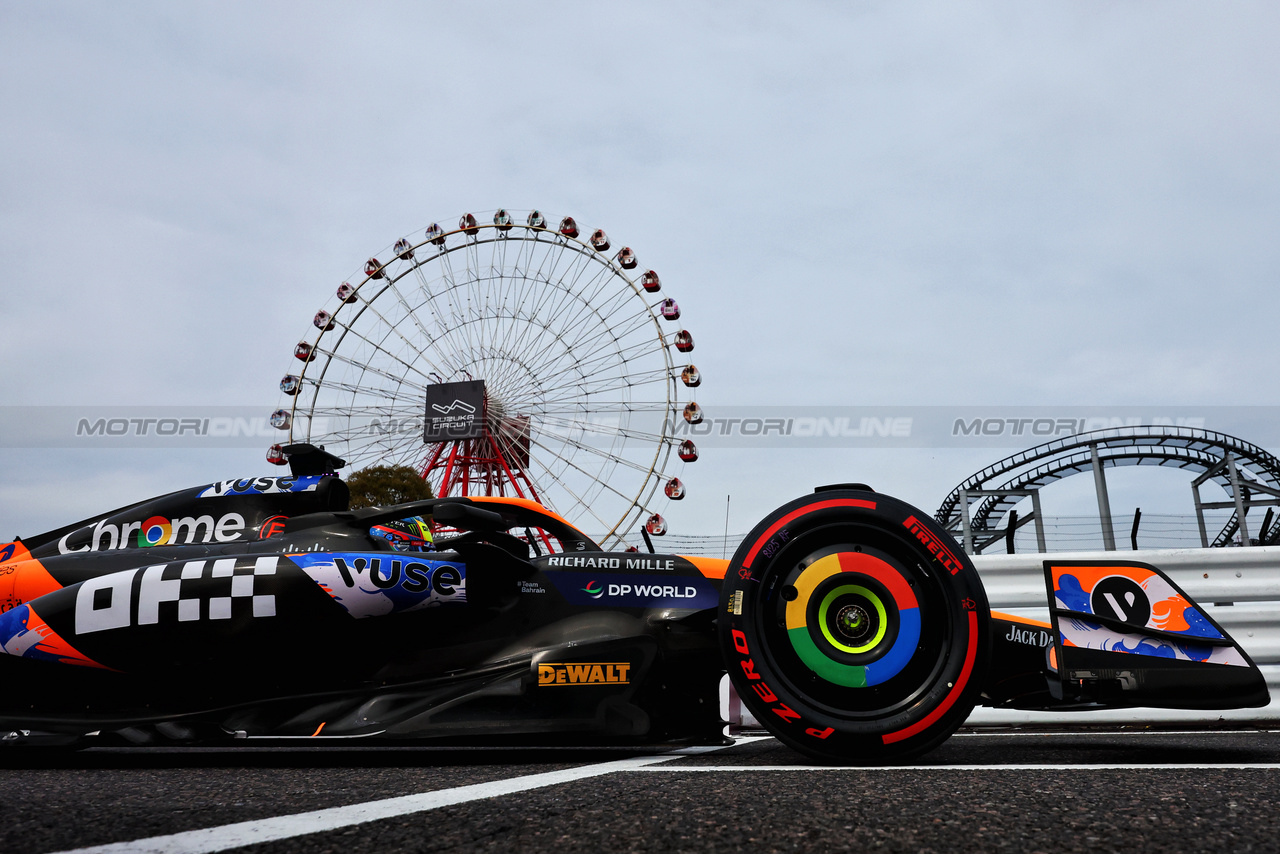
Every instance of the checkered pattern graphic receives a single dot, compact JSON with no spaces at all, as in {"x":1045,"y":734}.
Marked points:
{"x":242,"y":582}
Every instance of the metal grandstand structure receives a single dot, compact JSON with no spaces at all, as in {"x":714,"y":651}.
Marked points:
{"x":981,"y":510}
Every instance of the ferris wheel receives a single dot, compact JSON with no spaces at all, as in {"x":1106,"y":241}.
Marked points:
{"x":505,"y":358}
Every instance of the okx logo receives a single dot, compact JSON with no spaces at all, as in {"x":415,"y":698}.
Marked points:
{"x":176,"y":592}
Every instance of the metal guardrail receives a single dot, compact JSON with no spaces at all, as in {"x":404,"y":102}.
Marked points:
{"x":1238,"y":587}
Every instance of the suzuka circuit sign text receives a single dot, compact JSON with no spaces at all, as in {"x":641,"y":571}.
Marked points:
{"x":454,"y":411}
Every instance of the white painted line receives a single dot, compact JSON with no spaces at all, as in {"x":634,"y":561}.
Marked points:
{"x":214,"y":839}
{"x":1174,"y":766}
{"x":1085,"y":732}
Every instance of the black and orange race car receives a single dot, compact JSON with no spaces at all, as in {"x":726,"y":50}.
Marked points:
{"x":850,"y":624}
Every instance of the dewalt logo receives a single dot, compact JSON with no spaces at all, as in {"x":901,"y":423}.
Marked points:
{"x":597,"y":673}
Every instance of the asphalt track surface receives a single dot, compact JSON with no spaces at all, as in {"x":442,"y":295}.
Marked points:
{"x":1025,"y":792}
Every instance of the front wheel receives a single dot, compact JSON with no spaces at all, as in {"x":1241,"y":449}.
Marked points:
{"x":854,"y":628}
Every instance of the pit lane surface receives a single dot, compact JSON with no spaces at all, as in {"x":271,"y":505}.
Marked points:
{"x":1168,"y":792}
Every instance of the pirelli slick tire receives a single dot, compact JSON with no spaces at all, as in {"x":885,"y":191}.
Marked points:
{"x":854,"y":628}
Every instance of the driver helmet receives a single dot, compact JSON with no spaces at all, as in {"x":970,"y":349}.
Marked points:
{"x":412,"y":534}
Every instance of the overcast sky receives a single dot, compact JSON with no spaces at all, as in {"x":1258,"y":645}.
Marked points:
{"x":1001,"y":204}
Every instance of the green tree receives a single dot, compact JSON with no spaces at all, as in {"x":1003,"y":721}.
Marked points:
{"x":383,"y":486}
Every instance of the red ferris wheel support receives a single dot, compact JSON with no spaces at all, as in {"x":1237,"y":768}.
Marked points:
{"x":479,"y":466}
{"x":492,"y":461}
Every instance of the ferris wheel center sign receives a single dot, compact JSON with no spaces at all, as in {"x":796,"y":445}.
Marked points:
{"x":454,"y":411}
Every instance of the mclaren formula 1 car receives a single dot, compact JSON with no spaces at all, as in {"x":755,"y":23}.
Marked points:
{"x":850,"y":624}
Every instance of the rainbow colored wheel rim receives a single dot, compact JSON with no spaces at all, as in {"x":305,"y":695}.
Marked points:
{"x":854,"y":620}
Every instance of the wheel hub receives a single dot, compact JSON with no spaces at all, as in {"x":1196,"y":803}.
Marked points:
{"x":853,"y":622}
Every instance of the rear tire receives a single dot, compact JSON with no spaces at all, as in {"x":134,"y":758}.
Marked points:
{"x":854,"y":628}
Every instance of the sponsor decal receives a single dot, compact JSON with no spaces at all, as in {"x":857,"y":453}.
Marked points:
{"x":1031,"y":637}
{"x":649,"y":564}
{"x":6,"y":552}
{"x":295,"y":548}
{"x":531,"y":587}
{"x":1121,"y":598}
{"x":594,"y":673}
{"x":374,"y":585}
{"x":108,"y":602}
{"x":757,"y":683}
{"x":935,"y":546}
{"x":155,"y":531}
{"x":668,"y":591}
{"x":23,"y":580}
{"x":641,"y":564}
{"x":262,"y":486}
{"x":273,"y":526}
{"x":626,"y":591}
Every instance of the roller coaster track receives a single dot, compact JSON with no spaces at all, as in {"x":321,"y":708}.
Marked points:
{"x":1180,"y":447}
{"x":1269,"y":537}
